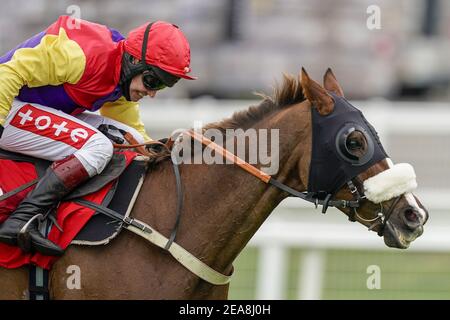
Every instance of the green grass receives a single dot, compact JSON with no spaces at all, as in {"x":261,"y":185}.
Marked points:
{"x":244,"y":279}
{"x":404,"y":275}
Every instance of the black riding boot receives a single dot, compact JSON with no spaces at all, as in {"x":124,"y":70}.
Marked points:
{"x":58,"y":181}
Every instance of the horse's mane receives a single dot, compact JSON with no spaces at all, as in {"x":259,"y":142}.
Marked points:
{"x":284,"y":96}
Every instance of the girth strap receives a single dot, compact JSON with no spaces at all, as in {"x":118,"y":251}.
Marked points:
{"x":140,"y":228}
{"x":38,"y":283}
{"x":19,"y":189}
{"x":112,"y":214}
{"x":38,"y":277}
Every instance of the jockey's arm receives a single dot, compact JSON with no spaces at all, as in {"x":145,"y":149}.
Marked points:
{"x":126,"y":112}
{"x":54,"y":61}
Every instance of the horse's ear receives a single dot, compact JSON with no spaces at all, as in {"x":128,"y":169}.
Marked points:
{"x":331,"y":84}
{"x":317,"y":95}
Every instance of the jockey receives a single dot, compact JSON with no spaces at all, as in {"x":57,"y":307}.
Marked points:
{"x":48,"y":81}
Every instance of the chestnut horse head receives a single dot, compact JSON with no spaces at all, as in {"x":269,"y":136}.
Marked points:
{"x":356,"y":166}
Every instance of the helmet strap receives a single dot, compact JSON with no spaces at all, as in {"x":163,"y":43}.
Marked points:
{"x":144,"y":43}
{"x":129,"y":70}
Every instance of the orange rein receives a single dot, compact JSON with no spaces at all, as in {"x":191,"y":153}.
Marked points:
{"x":236,"y":160}
{"x":140,"y":148}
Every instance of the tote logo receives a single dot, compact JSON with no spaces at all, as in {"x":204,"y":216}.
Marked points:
{"x":374,"y":20}
{"x":52,"y":126}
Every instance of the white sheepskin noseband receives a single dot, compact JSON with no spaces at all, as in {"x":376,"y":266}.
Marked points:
{"x":391,"y":183}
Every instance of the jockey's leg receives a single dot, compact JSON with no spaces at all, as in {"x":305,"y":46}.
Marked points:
{"x":78,"y":150}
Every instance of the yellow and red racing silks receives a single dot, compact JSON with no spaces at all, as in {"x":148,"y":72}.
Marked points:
{"x":71,"y":67}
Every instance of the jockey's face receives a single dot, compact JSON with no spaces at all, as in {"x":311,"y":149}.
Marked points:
{"x":138,"y":90}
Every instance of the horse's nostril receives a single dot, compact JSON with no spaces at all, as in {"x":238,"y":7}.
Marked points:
{"x":411,"y":215}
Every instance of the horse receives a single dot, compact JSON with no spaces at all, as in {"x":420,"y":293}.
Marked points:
{"x":224,"y":206}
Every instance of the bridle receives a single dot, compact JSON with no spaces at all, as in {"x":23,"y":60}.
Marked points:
{"x":191,"y":262}
{"x":326,"y":201}
{"x":318,"y":199}
{"x":381,"y":218}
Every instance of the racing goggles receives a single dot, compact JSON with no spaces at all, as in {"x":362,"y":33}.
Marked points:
{"x":152,"y":81}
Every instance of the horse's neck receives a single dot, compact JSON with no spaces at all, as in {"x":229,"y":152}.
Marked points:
{"x":223,"y":205}
{"x":249,"y":200}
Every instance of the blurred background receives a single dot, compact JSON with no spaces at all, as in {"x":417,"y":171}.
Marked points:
{"x":397,"y":73}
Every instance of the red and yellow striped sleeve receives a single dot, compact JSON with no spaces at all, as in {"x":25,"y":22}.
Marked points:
{"x":54,"y":61}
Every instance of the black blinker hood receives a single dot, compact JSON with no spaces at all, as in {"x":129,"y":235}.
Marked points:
{"x":331,"y":165}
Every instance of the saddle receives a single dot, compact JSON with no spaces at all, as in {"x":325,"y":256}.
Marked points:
{"x":125,"y":178}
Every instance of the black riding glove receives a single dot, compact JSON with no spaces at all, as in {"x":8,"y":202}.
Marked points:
{"x":157,"y":148}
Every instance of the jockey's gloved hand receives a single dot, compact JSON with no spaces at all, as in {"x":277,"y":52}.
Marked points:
{"x":163,"y":140}
{"x":157,"y":147}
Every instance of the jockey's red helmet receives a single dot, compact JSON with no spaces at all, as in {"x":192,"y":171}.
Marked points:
{"x":164,"y":46}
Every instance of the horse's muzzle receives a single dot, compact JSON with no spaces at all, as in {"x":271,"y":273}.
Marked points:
{"x":399,"y":237}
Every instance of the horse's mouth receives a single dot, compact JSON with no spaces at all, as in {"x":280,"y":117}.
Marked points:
{"x":395,"y":238}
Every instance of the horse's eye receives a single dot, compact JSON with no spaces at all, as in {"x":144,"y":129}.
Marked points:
{"x":353,"y":144}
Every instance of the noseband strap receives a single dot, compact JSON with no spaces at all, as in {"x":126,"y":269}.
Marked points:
{"x":312,"y":197}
